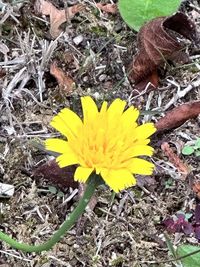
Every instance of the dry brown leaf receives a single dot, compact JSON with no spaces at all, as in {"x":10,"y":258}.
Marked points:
{"x":158,"y":42}
{"x":57,"y":16}
{"x":65,"y":82}
{"x":62,"y":178}
{"x":2,"y":73}
{"x":177,"y":116}
{"x":149,"y":83}
{"x":175,"y":160}
{"x":108,"y":8}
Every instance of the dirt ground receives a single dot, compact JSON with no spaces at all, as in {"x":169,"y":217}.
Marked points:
{"x":123,"y":230}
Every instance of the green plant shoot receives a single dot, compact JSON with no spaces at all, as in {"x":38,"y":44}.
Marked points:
{"x":137,"y":12}
{"x":192,"y":149}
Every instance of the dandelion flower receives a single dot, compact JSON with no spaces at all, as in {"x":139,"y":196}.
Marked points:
{"x":107,"y":141}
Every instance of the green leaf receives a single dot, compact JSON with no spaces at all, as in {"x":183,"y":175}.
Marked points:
{"x":136,"y":12}
{"x":52,"y":189}
{"x":187,"y":150}
{"x":60,"y":194}
{"x":197,"y":153}
{"x":197,"y":143}
{"x":188,"y":216}
{"x":192,"y":260}
{"x":169,"y":183}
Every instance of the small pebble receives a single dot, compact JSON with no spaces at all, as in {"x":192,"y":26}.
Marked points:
{"x":102,"y":77}
{"x":78,"y":39}
{"x":96,"y":95}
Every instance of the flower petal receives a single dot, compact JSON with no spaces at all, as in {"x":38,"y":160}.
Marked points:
{"x":89,"y":107}
{"x":141,"y":166}
{"x":138,"y":150}
{"x":113,"y":118}
{"x":67,"y":159}
{"x":82,"y":174}
{"x":116,"y":108}
{"x":144,"y":131}
{"x":127,"y":156}
{"x":58,"y":145}
{"x":118,"y":179}
{"x":67,"y":123}
{"x":130,"y":116}
{"x":104,"y":108}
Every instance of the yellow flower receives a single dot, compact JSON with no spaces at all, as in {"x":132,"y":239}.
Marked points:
{"x":108,"y":142}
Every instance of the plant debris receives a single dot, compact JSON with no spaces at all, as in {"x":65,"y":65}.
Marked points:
{"x":175,"y":160}
{"x":158,"y":41}
{"x":6,"y":190}
{"x":66,"y":84}
{"x":2,"y":73}
{"x":178,"y":115}
{"x":196,"y":188}
{"x":108,"y":8}
{"x":178,"y":224}
{"x":63,"y":178}
{"x":188,"y":223}
{"x":57,"y":17}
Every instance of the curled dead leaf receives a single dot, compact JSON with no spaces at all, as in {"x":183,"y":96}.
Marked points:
{"x":108,"y":8}
{"x":65,"y":82}
{"x":147,"y":84}
{"x":57,"y":16}
{"x":158,"y":42}
{"x":175,"y":160}
{"x":177,"y":116}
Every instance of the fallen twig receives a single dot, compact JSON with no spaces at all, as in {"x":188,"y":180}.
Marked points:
{"x":177,"y":116}
{"x":175,"y":160}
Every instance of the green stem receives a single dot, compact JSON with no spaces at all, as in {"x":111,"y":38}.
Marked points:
{"x":93,"y":182}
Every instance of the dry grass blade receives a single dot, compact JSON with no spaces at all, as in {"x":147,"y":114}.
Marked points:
{"x":181,"y":93}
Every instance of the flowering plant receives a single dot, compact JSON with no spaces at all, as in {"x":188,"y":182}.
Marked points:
{"x":105,"y":146}
{"x":107,"y":142}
